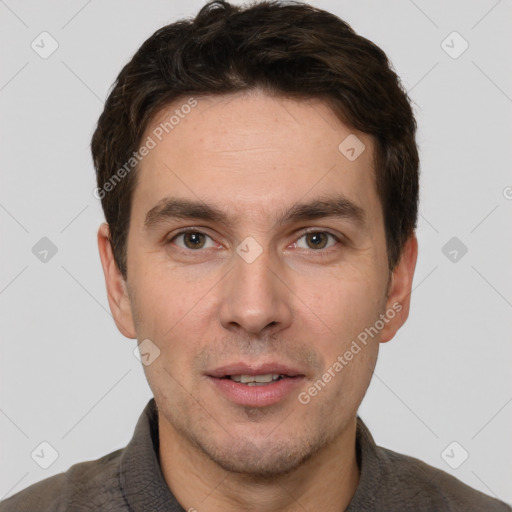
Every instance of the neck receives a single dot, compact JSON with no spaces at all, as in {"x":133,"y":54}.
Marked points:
{"x":327,"y":481}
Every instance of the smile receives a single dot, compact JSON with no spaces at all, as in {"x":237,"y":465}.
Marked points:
{"x":255,"y":385}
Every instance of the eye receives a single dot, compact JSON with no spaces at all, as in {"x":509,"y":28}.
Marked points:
{"x":192,"y":240}
{"x":195,"y":240}
{"x":317,"y":240}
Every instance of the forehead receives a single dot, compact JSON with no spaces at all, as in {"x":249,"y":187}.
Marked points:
{"x":254,"y":153}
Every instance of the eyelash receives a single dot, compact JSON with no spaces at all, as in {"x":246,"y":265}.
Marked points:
{"x":318,"y":252}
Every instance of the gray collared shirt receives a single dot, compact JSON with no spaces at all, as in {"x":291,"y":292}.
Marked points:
{"x":130,"y":479}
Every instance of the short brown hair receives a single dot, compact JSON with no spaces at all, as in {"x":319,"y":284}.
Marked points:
{"x":285,"y":48}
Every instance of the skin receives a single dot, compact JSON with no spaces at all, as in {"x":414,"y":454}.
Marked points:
{"x":254,"y":156}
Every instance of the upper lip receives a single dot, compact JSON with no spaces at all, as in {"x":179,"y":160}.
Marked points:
{"x":241,"y":368}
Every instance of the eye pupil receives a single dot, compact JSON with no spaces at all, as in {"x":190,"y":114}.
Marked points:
{"x":194,"y":238}
{"x":317,"y":237}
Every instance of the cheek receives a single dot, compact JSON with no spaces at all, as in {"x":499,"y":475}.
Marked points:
{"x":344,"y":303}
{"x":166,"y":318}
{"x":357,"y":374}
{"x":162,"y":300}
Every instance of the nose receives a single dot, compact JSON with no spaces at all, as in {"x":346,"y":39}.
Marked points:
{"x":255,"y":297}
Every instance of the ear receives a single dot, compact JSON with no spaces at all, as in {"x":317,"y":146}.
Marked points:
{"x":399,"y":293}
{"x":118,"y":298}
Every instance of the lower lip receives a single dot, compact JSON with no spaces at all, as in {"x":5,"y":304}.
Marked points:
{"x":256,"y":396}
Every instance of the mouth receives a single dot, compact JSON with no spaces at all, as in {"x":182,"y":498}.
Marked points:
{"x":255,"y":385}
{"x":257,"y":380}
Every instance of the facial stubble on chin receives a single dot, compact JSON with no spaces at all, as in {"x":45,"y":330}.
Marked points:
{"x":244,"y":458}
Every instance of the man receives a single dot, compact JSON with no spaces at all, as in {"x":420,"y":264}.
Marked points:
{"x":258,"y":171}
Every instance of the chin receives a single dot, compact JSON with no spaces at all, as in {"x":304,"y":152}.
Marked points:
{"x":260,"y":460}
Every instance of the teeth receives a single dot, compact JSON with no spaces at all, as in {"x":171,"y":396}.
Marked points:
{"x":252,"y":380}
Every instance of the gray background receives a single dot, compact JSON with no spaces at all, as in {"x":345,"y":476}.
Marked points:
{"x":68,"y":377}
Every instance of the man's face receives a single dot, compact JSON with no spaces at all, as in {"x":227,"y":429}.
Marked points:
{"x":257,"y":293}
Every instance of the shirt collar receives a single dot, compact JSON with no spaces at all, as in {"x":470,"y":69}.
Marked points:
{"x":371,"y":471}
{"x":141,"y":479}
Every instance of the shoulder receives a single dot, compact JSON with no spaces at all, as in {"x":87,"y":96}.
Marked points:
{"x":90,"y":485}
{"x":423,"y":486}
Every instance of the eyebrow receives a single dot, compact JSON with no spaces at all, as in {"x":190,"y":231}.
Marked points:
{"x":338,"y":206}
